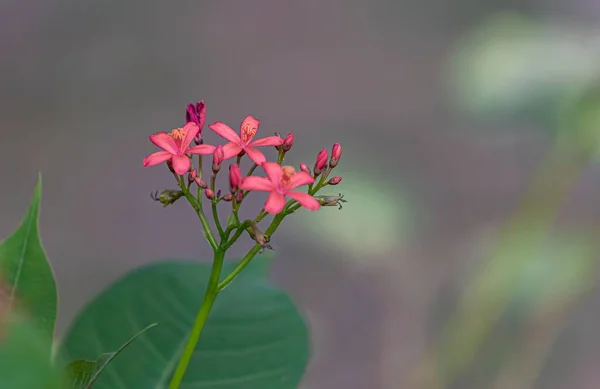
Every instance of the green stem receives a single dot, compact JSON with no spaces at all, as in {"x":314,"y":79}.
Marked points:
{"x":213,"y":204}
{"x":197,"y":205}
{"x":212,"y":290}
{"x":253,"y":251}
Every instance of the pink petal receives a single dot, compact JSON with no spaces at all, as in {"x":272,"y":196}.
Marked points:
{"x":257,"y":183}
{"x":306,"y":200}
{"x":164,"y":141}
{"x":181,"y":164}
{"x":255,"y":155}
{"x":225,"y":131}
{"x":201,"y":149}
{"x":156,"y":158}
{"x":301,"y":178}
{"x":267,"y":141}
{"x":231,"y":149}
{"x":273,"y":171}
{"x":191,"y":130}
{"x":275,"y":203}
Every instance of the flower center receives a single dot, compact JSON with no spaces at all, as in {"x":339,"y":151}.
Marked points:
{"x":286,"y":177}
{"x":248,"y":131}
{"x":177,"y":133}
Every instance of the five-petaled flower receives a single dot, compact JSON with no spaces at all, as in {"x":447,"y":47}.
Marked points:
{"x":176,"y":148}
{"x":244,"y":142}
{"x":280,"y":181}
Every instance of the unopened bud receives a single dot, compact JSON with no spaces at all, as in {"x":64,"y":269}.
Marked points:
{"x":288,"y":142}
{"x":228,"y":197}
{"x":218,"y":156}
{"x":209,"y":194}
{"x":335,"y":180}
{"x":239,"y":196}
{"x":167,"y":196}
{"x":336,"y":154}
{"x":331,"y":201}
{"x":321,"y":162}
{"x":304,"y":168}
{"x":200,"y":182}
{"x":235,"y":177}
{"x":196,"y":114}
{"x":192,"y":176}
{"x":218,"y":193}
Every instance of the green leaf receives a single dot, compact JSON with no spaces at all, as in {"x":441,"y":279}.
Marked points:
{"x":82,"y":374}
{"x":26,"y":270}
{"x":254,"y":338}
{"x":24,"y":362}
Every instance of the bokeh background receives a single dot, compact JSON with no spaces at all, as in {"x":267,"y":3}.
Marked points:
{"x":445,"y":110}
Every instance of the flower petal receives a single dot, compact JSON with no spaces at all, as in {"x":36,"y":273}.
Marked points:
{"x":181,"y":164}
{"x":256,"y":183}
{"x":164,"y":141}
{"x":231,"y":149}
{"x":275,"y":203}
{"x":156,"y":158}
{"x":301,"y":178}
{"x":273,"y":171}
{"x":191,"y":130}
{"x":267,"y":141}
{"x":225,"y":131}
{"x":255,"y":155}
{"x":306,"y":200}
{"x":201,"y":149}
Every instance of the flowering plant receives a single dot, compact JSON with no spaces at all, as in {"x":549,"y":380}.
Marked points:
{"x":256,"y":337}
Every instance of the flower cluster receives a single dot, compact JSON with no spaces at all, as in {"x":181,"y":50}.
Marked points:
{"x":280,"y":181}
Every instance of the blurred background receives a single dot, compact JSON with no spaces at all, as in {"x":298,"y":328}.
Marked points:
{"x":466,"y":256}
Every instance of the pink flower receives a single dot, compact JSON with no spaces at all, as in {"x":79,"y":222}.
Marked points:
{"x":280,"y":181}
{"x":176,"y":148}
{"x":244,"y":142}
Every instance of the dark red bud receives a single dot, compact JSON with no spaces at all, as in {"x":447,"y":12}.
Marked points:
{"x":288,"y":142}
{"x":335,"y":180}
{"x":228,"y":197}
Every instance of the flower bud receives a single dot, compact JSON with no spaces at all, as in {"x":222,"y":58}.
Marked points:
{"x":321,"y":162}
{"x":167,"y":196}
{"x":218,"y":157}
{"x":218,"y":193}
{"x":331,"y":201}
{"x":228,"y":197}
{"x":192,"y":176}
{"x":288,"y":142}
{"x":304,"y":168}
{"x":200,"y":182}
{"x":239,"y":196}
{"x":209,"y":194}
{"x":335,"y":180}
{"x":235,"y":177}
{"x":279,"y":147}
{"x":197,"y":114}
{"x":336,"y":154}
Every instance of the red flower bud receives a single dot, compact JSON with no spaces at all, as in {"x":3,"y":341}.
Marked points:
{"x":239,"y":196}
{"x":288,"y":142}
{"x":335,"y":180}
{"x":235,"y":177}
{"x":192,"y":176}
{"x":209,"y":194}
{"x":200,"y":182}
{"x":218,"y":157}
{"x":197,"y":114}
{"x":336,"y":154}
{"x":321,"y":161}
{"x":228,"y":197}
{"x":304,"y":168}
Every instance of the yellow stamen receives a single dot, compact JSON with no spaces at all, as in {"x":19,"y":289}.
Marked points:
{"x":177,"y":133}
{"x":248,"y":131}
{"x":286,"y":177}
